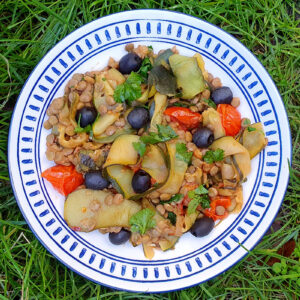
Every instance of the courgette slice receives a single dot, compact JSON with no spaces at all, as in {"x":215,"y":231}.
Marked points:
{"x":122,"y":151}
{"x":155,"y":164}
{"x":106,"y":139}
{"x":73,"y":109}
{"x":104,"y":122}
{"x":160,"y":102}
{"x":86,"y":210}
{"x":121,"y":177}
{"x":176,"y":173}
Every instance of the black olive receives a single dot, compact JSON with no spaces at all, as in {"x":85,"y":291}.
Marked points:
{"x":118,"y":238}
{"x":203,"y":137}
{"x":88,"y":116}
{"x":138,"y":117}
{"x":222,"y":95}
{"x":130,"y":62}
{"x":95,"y":181}
{"x":141,"y":181}
{"x":202,"y":227}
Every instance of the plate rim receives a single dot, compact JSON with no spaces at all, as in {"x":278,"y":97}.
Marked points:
{"x":125,"y":12}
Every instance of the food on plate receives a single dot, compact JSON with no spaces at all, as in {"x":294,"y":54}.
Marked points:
{"x":149,"y":148}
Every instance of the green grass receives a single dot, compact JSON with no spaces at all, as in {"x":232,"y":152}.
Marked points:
{"x":29,"y":28}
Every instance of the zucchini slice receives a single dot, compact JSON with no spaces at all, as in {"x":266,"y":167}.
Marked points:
{"x":85,"y":210}
{"x":104,"y":122}
{"x":73,"y":109}
{"x":160,"y":102}
{"x":106,"y":139}
{"x":122,"y":151}
{"x":154,"y":163}
{"x":176,"y":173}
{"x":121,"y":177}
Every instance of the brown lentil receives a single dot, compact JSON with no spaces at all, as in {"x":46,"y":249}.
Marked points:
{"x":165,"y":196}
{"x":220,"y":210}
{"x":120,"y":123}
{"x":102,"y":109}
{"x":194,"y":108}
{"x":191,"y":146}
{"x":212,"y":192}
{"x":87,"y":224}
{"x":188,"y":136}
{"x":154,"y":195}
{"x":111,"y":130}
{"x":205,"y":94}
{"x":191,"y":169}
{"x":216,"y":83}
{"x":89,"y":79}
{"x":47,"y":125}
{"x":235,"y":101}
{"x":110,"y":100}
{"x":94,"y":205}
{"x":81,"y":85}
{"x":160,"y":209}
{"x":118,"y":199}
{"x":214,"y":170}
{"x":53,"y":120}
{"x":109,"y":200}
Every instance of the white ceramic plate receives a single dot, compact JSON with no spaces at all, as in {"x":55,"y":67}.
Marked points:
{"x":193,"y":260}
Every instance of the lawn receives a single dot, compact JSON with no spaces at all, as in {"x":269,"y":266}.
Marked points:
{"x":269,"y":28}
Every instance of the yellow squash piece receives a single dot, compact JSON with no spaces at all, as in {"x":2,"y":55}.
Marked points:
{"x":122,"y":151}
{"x":104,"y":122}
{"x":212,"y":119}
{"x":85,"y":210}
{"x":160,"y":102}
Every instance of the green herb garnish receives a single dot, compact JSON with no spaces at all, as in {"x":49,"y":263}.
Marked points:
{"x":142,"y":221}
{"x":172,"y":217}
{"x":249,"y":128}
{"x":210,"y":103}
{"x":145,"y":68}
{"x":79,"y":129}
{"x":182,"y":153}
{"x":150,"y":48}
{"x":198,"y":196}
{"x":175,"y":198}
{"x":130,"y":90}
{"x":140,"y":147}
{"x":165,"y":133}
{"x":213,"y":156}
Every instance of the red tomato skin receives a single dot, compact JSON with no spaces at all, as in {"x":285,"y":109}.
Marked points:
{"x":230,"y":118}
{"x":65,"y":179}
{"x":217,"y":201}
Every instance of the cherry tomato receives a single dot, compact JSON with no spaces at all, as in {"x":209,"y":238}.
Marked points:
{"x":231,"y":119}
{"x":184,"y":116}
{"x":217,"y":201}
{"x":65,"y":179}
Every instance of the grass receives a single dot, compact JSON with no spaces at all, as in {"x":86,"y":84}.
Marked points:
{"x":29,"y":28}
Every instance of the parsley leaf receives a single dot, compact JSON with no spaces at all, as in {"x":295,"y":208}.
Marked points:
{"x":165,"y":133}
{"x":182,"y":153}
{"x":245,"y":122}
{"x":213,"y":156}
{"x":249,"y":128}
{"x":198,"y":196}
{"x":181,"y":104}
{"x":145,"y":68}
{"x":175,"y":198}
{"x":79,"y":129}
{"x":172,"y":217}
{"x":210,"y":103}
{"x":140,"y":148}
{"x":130,"y":90}
{"x":142,"y":221}
{"x":150,"y":48}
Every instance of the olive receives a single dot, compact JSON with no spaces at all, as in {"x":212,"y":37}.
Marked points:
{"x":222,"y":95}
{"x":138,"y":117}
{"x":87,"y":116}
{"x":202,"y":227}
{"x":95,"y":181}
{"x":130,"y":62}
{"x":141,"y":181}
{"x":203,"y":137}
{"x":118,"y":238}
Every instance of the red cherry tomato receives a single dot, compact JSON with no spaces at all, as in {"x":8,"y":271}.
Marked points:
{"x":184,"y":116}
{"x":231,"y":119}
{"x":217,"y":201}
{"x":65,"y":179}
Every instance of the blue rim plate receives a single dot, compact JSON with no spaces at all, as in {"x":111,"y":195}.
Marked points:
{"x":194,"y":260}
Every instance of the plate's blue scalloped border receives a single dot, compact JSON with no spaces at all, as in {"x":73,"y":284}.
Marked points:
{"x":280,"y":158}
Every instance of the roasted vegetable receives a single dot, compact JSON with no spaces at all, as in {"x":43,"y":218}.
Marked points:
{"x":104,"y":122}
{"x":201,"y":65}
{"x":122,"y":151}
{"x":188,"y":75}
{"x":212,"y":120}
{"x":240,"y":154}
{"x":86,"y":210}
{"x":74,"y":141}
{"x":65,"y":179}
{"x":106,"y":139}
{"x":115,"y":75}
{"x":177,"y":170}
{"x":160,"y":102}
{"x":230,"y":118}
{"x":154,"y":163}
{"x":163,"y":80}
{"x":121,"y":177}
{"x":73,"y":108}
{"x":163,"y":58}
{"x":88,"y":161}
{"x":253,"y":139}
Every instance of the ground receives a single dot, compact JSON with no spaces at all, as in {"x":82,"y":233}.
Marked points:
{"x":269,"y":28}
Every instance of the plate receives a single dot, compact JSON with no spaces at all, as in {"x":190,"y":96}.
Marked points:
{"x":194,"y":260}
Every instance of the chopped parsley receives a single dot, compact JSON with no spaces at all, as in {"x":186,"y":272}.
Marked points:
{"x":165,"y":133}
{"x":182,"y":153}
{"x":150,"y":48}
{"x":130,"y":90}
{"x":199,"y":196}
{"x":142,"y":221}
{"x":145,"y":68}
{"x":140,"y":147}
{"x":79,"y":129}
{"x":210,"y":103}
{"x":212,"y":156}
{"x":249,"y":128}
{"x":175,"y":198}
{"x":172,"y":217}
